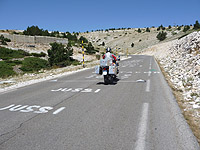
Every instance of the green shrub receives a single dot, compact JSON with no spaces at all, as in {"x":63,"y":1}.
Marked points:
{"x":139,"y":30}
{"x":6,"y":53}
{"x":35,"y":30}
{"x":38,"y":55}
{"x":83,"y":39}
{"x":71,"y":37}
{"x":196,"y":25}
{"x":59,"y":55}
{"x":90,"y":49}
{"x":161,"y":36}
{"x":4,"y":40}
{"x":186,"y":28}
{"x":160,"y":27}
{"x":6,"y":70}
{"x":13,"y":62}
{"x":75,"y":63}
{"x":32,"y":64}
{"x":174,"y":33}
{"x":179,"y":28}
{"x":147,"y":30}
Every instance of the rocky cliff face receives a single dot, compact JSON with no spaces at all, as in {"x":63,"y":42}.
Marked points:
{"x":183,"y":67}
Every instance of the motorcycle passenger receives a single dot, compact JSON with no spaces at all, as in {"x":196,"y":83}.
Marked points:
{"x":109,"y":55}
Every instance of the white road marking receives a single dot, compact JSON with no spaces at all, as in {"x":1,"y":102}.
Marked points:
{"x":75,"y":90}
{"x":99,"y":77}
{"x":58,"y":110}
{"x":150,"y":63}
{"x":43,"y":110}
{"x":18,"y":107}
{"x":97,"y":90}
{"x":127,"y":81}
{"x":54,"y":80}
{"x":94,"y":75}
{"x":124,"y":77}
{"x":7,"y":107}
{"x":127,"y":75}
{"x":86,"y":90}
{"x":66,"y":89}
{"x":149,"y":73}
{"x":27,"y":108}
{"x":140,"y":80}
{"x":140,"y":143}
{"x":56,"y":90}
{"x":148,"y":86}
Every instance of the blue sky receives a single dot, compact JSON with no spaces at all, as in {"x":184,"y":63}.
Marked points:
{"x":87,"y":15}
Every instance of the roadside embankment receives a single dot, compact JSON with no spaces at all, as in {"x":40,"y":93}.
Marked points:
{"x":180,"y":63}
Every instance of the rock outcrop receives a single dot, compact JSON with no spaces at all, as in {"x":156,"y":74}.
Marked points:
{"x":183,"y":67}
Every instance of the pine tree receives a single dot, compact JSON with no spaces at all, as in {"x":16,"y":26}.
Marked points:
{"x":196,"y":25}
{"x":139,"y":30}
{"x":147,"y":30}
{"x":59,"y":55}
{"x":161,"y":36}
{"x":186,"y":28}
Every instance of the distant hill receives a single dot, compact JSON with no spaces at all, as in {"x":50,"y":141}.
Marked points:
{"x":123,"y":39}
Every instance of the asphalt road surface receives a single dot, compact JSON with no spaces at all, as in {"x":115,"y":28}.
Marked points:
{"x":79,"y":112}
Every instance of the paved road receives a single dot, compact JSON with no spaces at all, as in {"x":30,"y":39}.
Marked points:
{"x":79,"y":112}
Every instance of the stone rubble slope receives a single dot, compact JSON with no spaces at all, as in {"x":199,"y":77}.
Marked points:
{"x":182,"y":64}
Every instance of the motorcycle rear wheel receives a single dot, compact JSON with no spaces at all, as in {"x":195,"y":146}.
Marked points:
{"x":108,"y":79}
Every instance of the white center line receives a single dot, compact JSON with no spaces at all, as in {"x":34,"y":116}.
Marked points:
{"x":150,"y":63}
{"x":140,"y":143}
{"x":148,"y":86}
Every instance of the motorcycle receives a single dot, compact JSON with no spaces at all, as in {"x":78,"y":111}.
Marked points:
{"x":108,"y":69}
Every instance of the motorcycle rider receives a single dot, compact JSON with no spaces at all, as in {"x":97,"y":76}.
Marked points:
{"x":109,"y":55}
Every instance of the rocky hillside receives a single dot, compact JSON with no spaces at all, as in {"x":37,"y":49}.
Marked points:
{"x":122,"y":39}
{"x":183,"y":66}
